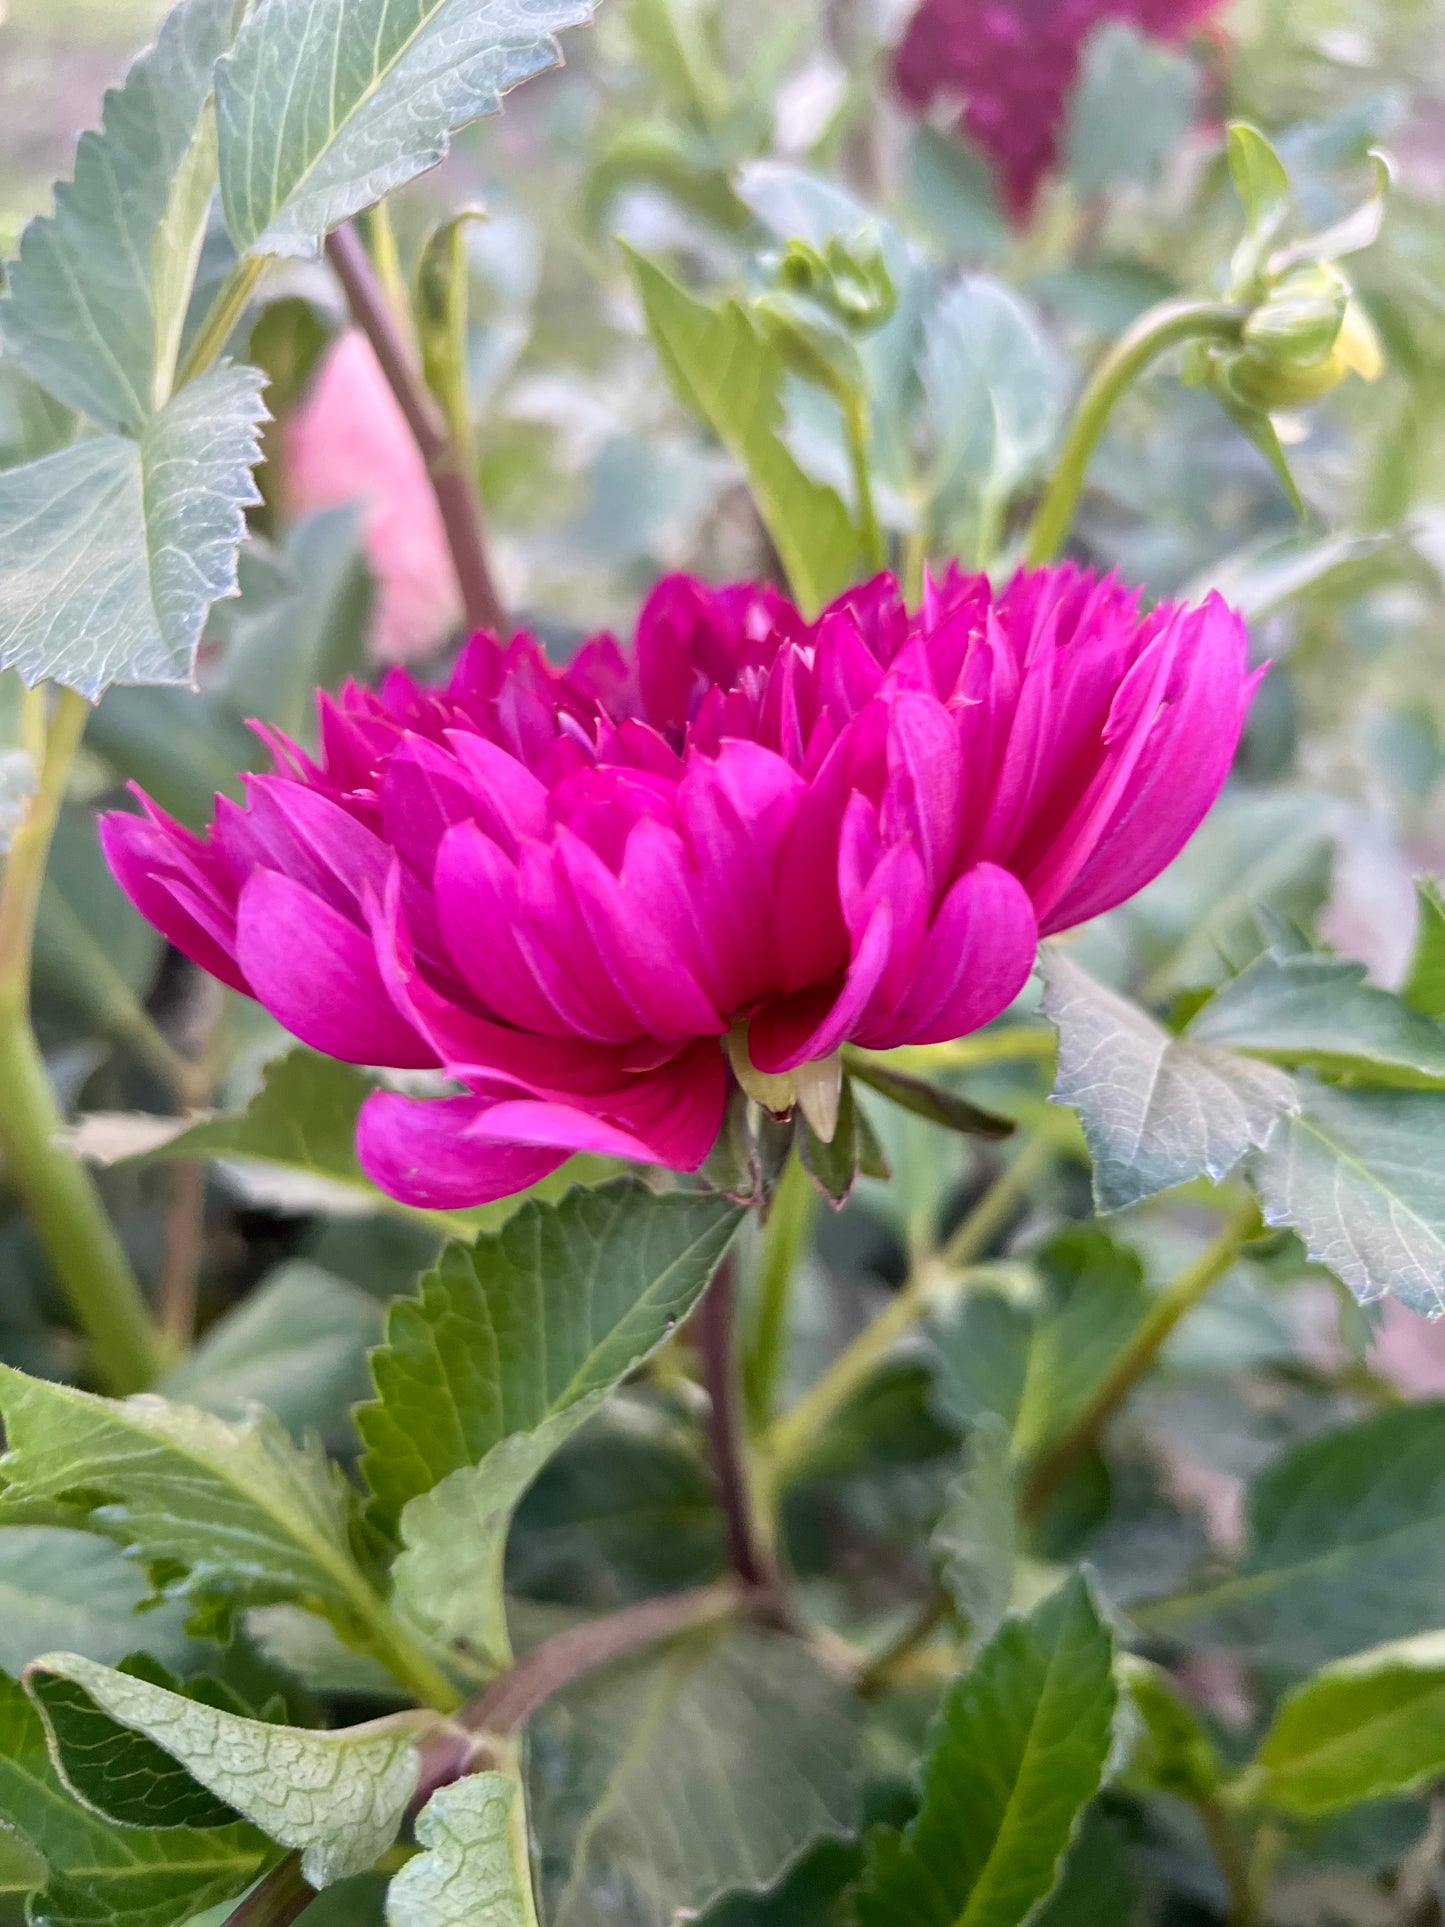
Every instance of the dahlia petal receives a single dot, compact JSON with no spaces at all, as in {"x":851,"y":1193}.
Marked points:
{"x":797,"y":1030}
{"x":424,"y":1152}
{"x":316,"y":973}
{"x":142,"y":853}
{"x":975,"y":961}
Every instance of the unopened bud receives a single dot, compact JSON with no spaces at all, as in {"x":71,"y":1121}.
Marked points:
{"x":811,"y":344}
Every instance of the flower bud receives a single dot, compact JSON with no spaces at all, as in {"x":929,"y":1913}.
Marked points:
{"x":811,"y":344}
{"x":1303,"y":340}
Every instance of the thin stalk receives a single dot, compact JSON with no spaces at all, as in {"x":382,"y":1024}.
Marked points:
{"x":277,"y":1899}
{"x":785,"y":1239}
{"x":1228,"y":1850}
{"x":1139,"y":1354}
{"x":455,"y":493}
{"x":717,"y":1342}
{"x":404,"y":1659}
{"x":914,"y":562}
{"x":222,"y":316}
{"x":386,"y":257}
{"x":855,"y":421}
{"x":1015,"y":1043}
{"x":1166,"y":326}
{"x":59,"y":1194}
{"x":879,"y":1673}
{"x":787,"y":1440}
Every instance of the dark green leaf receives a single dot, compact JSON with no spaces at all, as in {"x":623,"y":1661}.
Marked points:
{"x":1014,"y":1756}
{"x":1173,"y":1752}
{"x":974,"y":1540}
{"x":933,"y":1101}
{"x":1424,"y":986}
{"x":853,"y":1150}
{"x":56,"y":1584}
{"x":1133,"y":103}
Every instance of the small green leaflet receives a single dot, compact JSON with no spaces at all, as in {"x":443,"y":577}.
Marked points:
{"x":1172,"y":1751}
{"x":99,"y":1872}
{"x":1156,"y":1110}
{"x":112,"y":551}
{"x":99,"y":291}
{"x":59,"y":1584}
{"x":559,"y":1303}
{"x":1017,"y":1751}
{"x":974,"y":1540}
{"x":708,"y":1765}
{"x":1360,"y":1175}
{"x":723,"y":370}
{"x":1424,"y":986}
{"x":472,"y":1870}
{"x":1369,"y":1728}
{"x":337,"y":1797}
{"x":1346,"y":1547}
{"x":324,"y":106}
{"x":236,"y":1508}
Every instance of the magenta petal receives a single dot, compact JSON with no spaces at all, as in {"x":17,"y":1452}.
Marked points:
{"x":783,"y":1035}
{"x":425,"y":1152}
{"x":975,"y":961}
{"x":142,"y":854}
{"x":316,"y":973}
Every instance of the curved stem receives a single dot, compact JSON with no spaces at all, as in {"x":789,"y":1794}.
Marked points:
{"x":1153,"y":334}
{"x":787,"y":1441}
{"x":1139,"y":1354}
{"x":456,"y":497}
{"x":59,"y":1194}
{"x":221,"y":318}
{"x":717,"y":1341}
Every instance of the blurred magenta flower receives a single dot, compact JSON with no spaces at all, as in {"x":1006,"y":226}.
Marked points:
{"x":349,"y":442}
{"x":1014,"y":66}
{"x":580,"y":893}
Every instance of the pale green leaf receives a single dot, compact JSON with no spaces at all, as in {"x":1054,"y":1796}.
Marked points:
{"x":1369,"y":1728}
{"x":1172,"y":1751}
{"x":661,"y":1783}
{"x":1320,"y":1012}
{"x":99,"y":292}
{"x":325,"y":106}
{"x":1360,"y":1175}
{"x":72,"y":1586}
{"x":99,"y":1872}
{"x":472,"y":1870}
{"x":1346,"y":1547}
{"x":559,"y":1303}
{"x":454,"y":1538}
{"x":112,"y":551}
{"x":1424,"y":986}
{"x":236,"y":1509}
{"x":1017,"y":1751}
{"x":1156,"y":1110}
{"x":723,"y":370}
{"x":974,"y":1540}
{"x":1133,"y":103}
{"x":338,"y":1798}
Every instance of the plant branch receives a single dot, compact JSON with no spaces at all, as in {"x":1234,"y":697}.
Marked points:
{"x":569,"y":1656}
{"x":1228,"y":1851}
{"x":456,"y":497}
{"x":220,"y":320}
{"x":1163,"y":327}
{"x":58,"y":1192}
{"x":717,"y":1342}
{"x":1139,"y":1354}
{"x":277,"y":1899}
{"x":787,"y":1441}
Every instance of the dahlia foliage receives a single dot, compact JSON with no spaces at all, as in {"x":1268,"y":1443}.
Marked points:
{"x":585,"y":894}
{"x":1014,"y":67}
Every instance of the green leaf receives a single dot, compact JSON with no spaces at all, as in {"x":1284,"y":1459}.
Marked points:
{"x":1172,"y":1751}
{"x":1319,"y":1012}
{"x":293,"y":1147}
{"x":1263,"y":188}
{"x":974,"y":1540}
{"x":1361,"y":1176}
{"x":101,"y":1873}
{"x":1369,"y":1728}
{"x":1424,"y":986}
{"x":32,"y":422}
{"x":323,"y":107}
{"x":559,"y":1303}
{"x":339,"y":1798}
{"x":721,"y":368}
{"x":934,"y":1101}
{"x":1346,"y":1547}
{"x":659,"y":1784}
{"x":993,"y":385}
{"x":472,"y":1870}
{"x":1156,"y":1110}
{"x":233,"y":1511}
{"x":121,"y":1774}
{"x":60,"y":1584}
{"x":1132,"y":105}
{"x":853,"y":1150}
{"x":112,"y":551}
{"x":99,"y":291}
{"x":454,"y":1538}
{"x":297,"y":1344}
{"x":1015,"y":1754}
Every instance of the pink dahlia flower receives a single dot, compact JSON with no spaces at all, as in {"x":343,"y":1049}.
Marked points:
{"x":1014,"y":68}
{"x":581,"y":893}
{"x":349,"y":443}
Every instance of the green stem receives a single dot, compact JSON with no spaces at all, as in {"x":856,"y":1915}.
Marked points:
{"x":789,"y":1226}
{"x":1139,"y":1354}
{"x":58,"y":1192}
{"x":786,"y":1443}
{"x":221,"y":318}
{"x":1228,"y":1851}
{"x":855,"y":419}
{"x":915,"y":561}
{"x":508,"y":1760}
{"x":1164,"y":327}
{"x":404,"y":1659}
